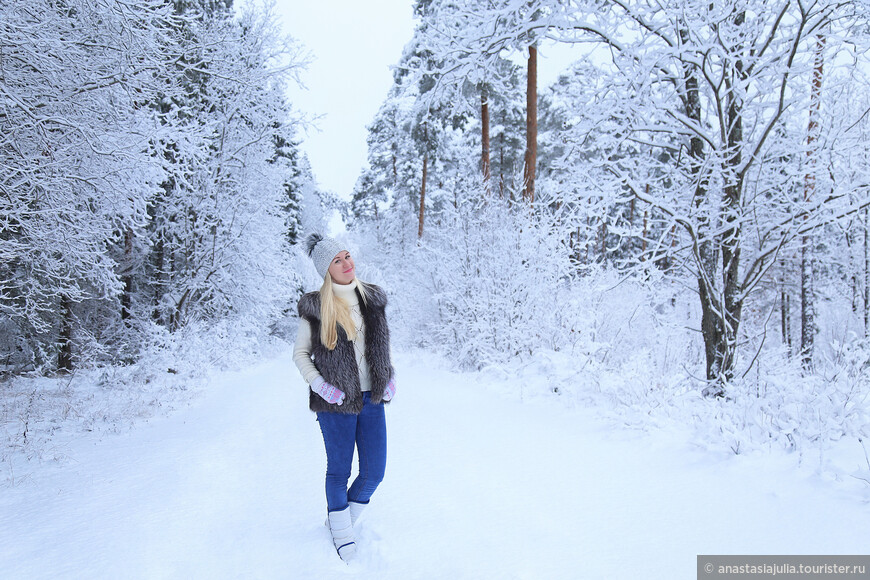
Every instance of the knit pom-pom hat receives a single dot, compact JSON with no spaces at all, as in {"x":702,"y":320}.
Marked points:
{"x":322,"y":250}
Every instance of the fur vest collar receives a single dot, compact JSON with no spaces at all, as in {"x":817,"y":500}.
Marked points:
{"x":338,"y":366}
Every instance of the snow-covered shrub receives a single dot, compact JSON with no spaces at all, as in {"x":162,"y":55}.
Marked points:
{"x":483,"y":283}
{"x":496,"y":278}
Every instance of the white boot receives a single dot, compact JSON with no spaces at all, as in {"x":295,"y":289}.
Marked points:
{"x":355,"y":510}
{"x":342,"y":534}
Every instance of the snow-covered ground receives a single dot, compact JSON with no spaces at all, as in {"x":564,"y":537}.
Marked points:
{"x":478,"y":485}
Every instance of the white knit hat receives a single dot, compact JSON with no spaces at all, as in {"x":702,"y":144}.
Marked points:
{"x":322,"y":250}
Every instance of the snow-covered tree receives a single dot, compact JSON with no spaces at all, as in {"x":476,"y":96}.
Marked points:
{"x":77,"y":163}
{"x":694,"y":98}
{"x":218,"y":227}
{"x":135,"y":172}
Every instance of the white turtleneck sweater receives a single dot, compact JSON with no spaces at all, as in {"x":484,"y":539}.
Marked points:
{"x":302,"y":348}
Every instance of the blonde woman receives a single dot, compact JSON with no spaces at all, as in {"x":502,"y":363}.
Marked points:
{"x":343,"y":353}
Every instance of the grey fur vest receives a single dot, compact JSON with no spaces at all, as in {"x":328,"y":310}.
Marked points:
{"x":338,"y":366}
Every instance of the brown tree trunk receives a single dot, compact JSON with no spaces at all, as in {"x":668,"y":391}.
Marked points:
{"x":484,"y":137}
{"x":531,"y":127}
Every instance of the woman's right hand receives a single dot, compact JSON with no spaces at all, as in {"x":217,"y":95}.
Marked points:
{"x":330,"y":394}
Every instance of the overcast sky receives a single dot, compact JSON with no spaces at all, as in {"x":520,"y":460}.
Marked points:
{"x":353,"y":44}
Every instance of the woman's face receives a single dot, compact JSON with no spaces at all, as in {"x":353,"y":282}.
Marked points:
{"x":342,"y":269}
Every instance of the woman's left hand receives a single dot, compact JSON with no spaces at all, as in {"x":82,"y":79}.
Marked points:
{"x":390,"y":390}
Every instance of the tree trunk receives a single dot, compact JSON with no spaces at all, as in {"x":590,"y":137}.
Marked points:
{"x":866,"y":275}
{"x":126,"y":297}
{"x":531,"y":127}
{"x":851,"y":238}
{"x":159,"y":275}
{"x":501,"y":183}
{"x":785,"y":317}
{"x":643,"y":239}
{"x":64,"y":356}
{"x":423,"y":195}
{"x":732,"y":295}
{"x":808,"y":307}
{"x":484,"y":137}
{"x":808,"y":314}
{"x":716,"y":348}
{"x":643,"y":234}
{"x":423,"y":184}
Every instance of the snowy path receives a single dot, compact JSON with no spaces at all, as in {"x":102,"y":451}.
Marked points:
{"x":477,"y":486}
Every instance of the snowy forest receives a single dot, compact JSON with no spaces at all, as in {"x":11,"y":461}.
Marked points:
{"x":682,"y":216}
{"x":677,"y":229}
{"x":678,"y":225}
{"x":661,"y":257}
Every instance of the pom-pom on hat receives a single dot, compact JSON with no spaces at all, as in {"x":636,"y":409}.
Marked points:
{"x":322,"y":250}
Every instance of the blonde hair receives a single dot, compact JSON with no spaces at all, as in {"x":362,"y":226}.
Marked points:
{"x":334,"y":312}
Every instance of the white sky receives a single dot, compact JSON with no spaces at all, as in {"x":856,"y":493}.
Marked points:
{"x":353,"y":44}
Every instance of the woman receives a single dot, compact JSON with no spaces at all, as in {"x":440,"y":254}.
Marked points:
{"x":343,"y":352}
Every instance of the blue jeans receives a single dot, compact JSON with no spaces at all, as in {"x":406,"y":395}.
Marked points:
{"x":341,"y":433}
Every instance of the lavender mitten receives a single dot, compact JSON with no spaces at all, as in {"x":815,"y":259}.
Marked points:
{"x":390,"y":390}
{"x":330,"y":394}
